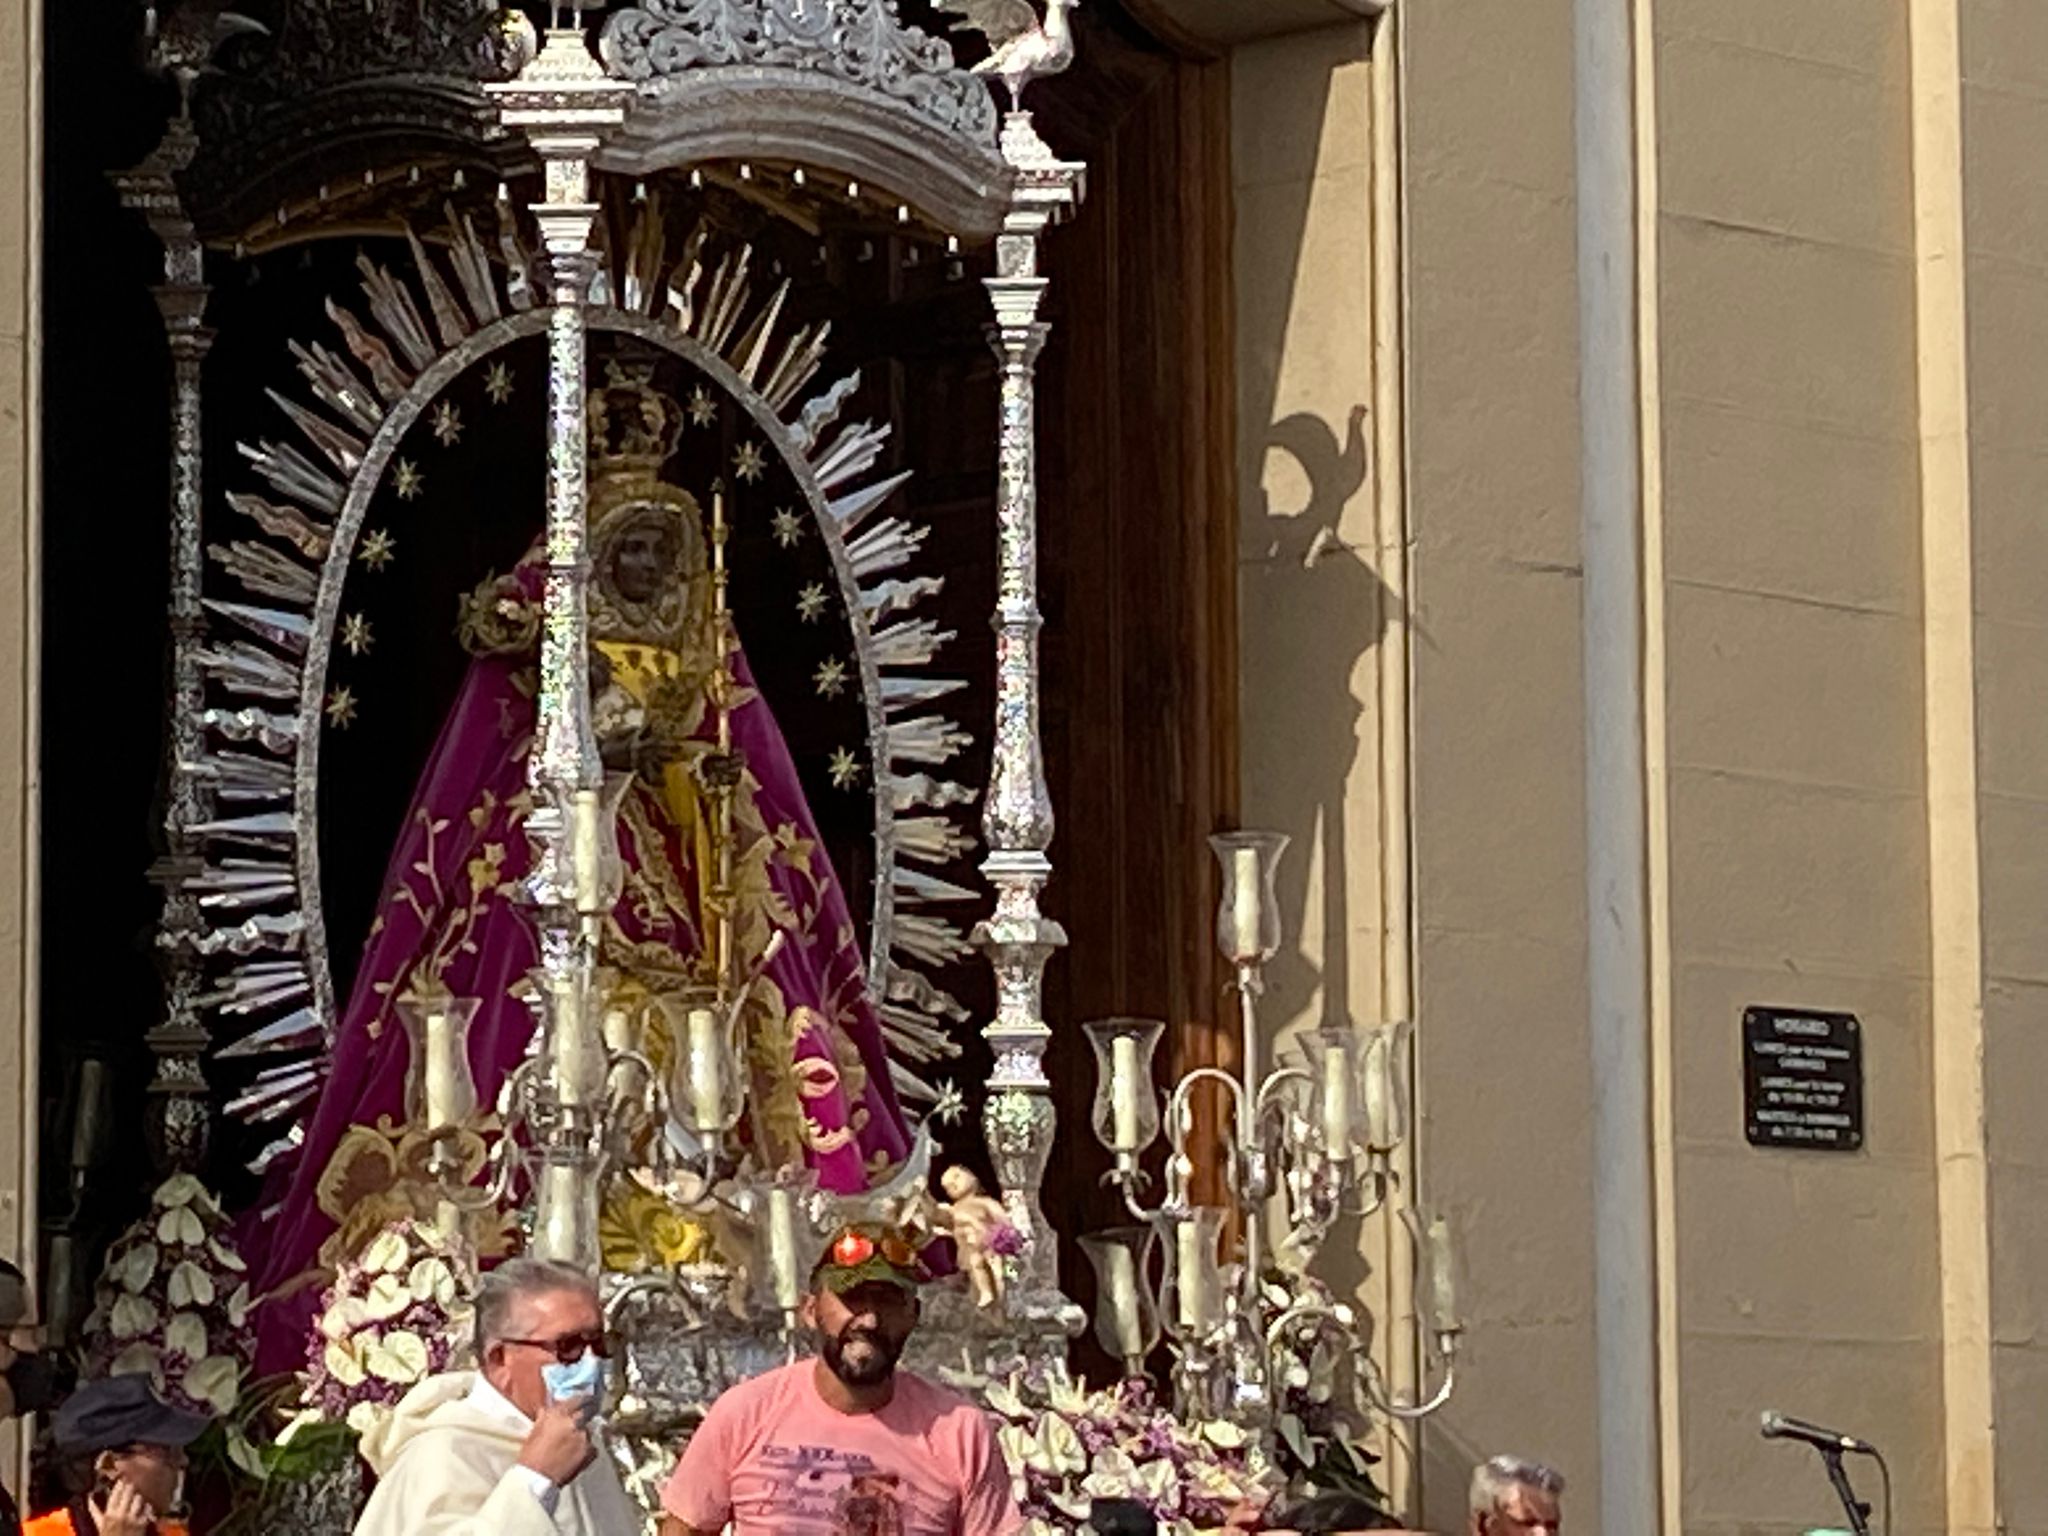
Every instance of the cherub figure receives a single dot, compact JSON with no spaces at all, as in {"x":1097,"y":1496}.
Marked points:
{"x":981,"y":1230}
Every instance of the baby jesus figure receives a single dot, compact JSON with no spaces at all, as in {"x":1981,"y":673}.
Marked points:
{"x":981,"y":1230}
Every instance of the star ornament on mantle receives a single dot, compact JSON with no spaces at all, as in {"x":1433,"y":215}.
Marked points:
{"x":355,"y":634}
{"x":498,"y":382}
{"x":749,"y":462}
{"x":379,"y":549}
{"x":951,"y":1104}
{"x":789,"y":528}
{"x":810,"y":603}
{"x":844,"y":768}
{"x":447,"y":424}
{"x":407,"y":480}
{"x":703,"y":409}
{"x":830,"y":678}
{"x":341,"y":709}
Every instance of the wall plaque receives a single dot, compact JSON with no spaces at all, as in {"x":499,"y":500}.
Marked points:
{"x":1802,"y":1079}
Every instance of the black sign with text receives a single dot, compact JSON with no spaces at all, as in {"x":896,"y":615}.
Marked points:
{"x":1802,"y":1079}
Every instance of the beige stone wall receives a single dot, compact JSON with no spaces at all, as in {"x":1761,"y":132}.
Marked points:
{"x":20,"y":508}
{"x":2004,"y":48}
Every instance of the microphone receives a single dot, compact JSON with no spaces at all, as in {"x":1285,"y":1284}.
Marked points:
{"x":1778,"y":1426}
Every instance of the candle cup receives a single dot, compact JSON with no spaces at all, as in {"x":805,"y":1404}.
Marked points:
{"x":1387,"y":1071}
{"x":1248,"y":915}
{"x":1126,"y":1321}
{"x":1190,"y":1289}
{"x":440,"y":1087}
{"x":1126,"y":1117}
{"x":786,"y":1242}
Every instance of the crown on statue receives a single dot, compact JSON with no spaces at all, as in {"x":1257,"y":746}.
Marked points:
{"x":633,"y":427}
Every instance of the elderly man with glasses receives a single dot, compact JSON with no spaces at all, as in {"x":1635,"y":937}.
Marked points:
{"x":506,"y":1449}
{"x":1513,"y":1497}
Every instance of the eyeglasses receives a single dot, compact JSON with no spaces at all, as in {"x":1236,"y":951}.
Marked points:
{"x":852,"y":1249}
{"x":569,"y":1348}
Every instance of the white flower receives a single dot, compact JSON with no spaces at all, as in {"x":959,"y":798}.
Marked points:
{"x":225,"y":1256}
{"x":1018,"y":1444}
{"x":1005,"y":1400}
{"x":179,"y":1189}
{"x":366,"y":1416}
{"x":402,"y":1358}
{"x":179,"y":1224}
{"x":214,"y":1381}
{"x":1114,"y":1475}
{"x":132,"y":1315}
{"x":1067,"y":1396}
{"x":137,"y":1267}
{"x":342,"y":1364}
{"x":389,"y":1296}
{"x":343,"y":1318}
{"x":137,"y":1360}
{"x":238,"y":1305}
{"x":303,"y":1419}
{"x":1224,"y":1434}
{"x":186,"y":1336}
{"x":189,"y":1286}
{"x":1059,"y":1450}
{"x":387,"y":1253}
{"x":432,"y":1280}
{"x":245,"y":1455}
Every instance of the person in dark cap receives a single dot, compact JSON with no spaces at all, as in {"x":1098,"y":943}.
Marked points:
{"x":845,"y":1441}
{"x":122,"y":1453}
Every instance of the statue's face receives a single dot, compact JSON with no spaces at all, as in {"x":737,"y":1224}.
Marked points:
{"x":640,"y":563}
{"x":958,"y":1183}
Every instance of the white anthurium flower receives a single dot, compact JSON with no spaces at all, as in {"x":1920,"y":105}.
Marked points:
{"x":387,"y":1254}
{"x":343,"y":1318}
{"x":1018,"y":1446}
{"x":389,"y":1295}
{"x":179,"y":1189}
{"x":215,"y":1381}
{"x":1225,"y":1435}
{"x":238,"y":1305}
{"x":303,"y":1419}
{"x":132,"y":1315}
{"x":186,"y":1336}
{"x":432,"y":1280}
{"x":366,"y":1416}
{"x":244,"y":1454}
{"x":1159,"y":1481}
{"x":1075,"y":1506}
{"x":138,"y":1360}
{"x":400,"y":1359}
{"x":180,"y":1225}
{"x":225,"y":1256}
{"x":1114,"y":1475}
{"x":137,"y":1267}
{"x":1059,"y":1450}
{"x":342,"y":1363}
{"x":1067,"y":1396}
{"x":190,"y":1286}
{"x":1004,"y":1399}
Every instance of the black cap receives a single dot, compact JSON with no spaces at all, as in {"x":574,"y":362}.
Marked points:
{"x":117,"y":1411}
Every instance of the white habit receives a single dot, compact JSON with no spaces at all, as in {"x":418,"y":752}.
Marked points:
{"x":447,"y":1464}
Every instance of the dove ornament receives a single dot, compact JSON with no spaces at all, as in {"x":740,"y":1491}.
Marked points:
{"x":1023,"y":47}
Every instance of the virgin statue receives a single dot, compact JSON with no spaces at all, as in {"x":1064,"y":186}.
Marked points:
{"x":450,"y":920}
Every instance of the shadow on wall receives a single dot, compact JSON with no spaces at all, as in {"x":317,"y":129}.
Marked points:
{"x":1321,"y":609}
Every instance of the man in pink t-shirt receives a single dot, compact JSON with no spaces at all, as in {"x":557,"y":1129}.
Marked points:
{"x":845,"y":1444}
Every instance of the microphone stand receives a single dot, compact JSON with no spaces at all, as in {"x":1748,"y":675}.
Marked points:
{"x":1858,"y":1511}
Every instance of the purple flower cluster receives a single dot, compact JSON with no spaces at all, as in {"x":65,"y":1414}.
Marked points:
{"x":1006,"y":1242}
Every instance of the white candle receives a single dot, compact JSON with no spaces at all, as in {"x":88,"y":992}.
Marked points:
{"x":443,"y":1073}
{"x":1379,"y":1091}
{"x":1246,"y":942}
{"x":583,"y":850}
{"x":1443,"y":1277}
{"x":707,"y":1071}
{"x":1337,"y":1100}
{"x":1120,"y":1296}
{"x":1191,"y":1280}
{"x":1124,"y":1090}
{"x":577,"y":1077}
{"x":781,"y":1226}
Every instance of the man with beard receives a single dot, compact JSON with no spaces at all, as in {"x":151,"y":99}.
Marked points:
{"x":845,"y":1443}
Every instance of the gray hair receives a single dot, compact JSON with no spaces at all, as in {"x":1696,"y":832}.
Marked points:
{"x":1492,"y":1479}
{"x":510,"y":1282}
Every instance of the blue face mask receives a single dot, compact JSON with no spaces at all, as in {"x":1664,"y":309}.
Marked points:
{"x":582,"y":1378}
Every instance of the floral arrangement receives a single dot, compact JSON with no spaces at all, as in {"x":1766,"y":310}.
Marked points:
{"x":394,"y":1315}
{"x":173,"y":1302}
{"x":1067,"y":1447}
{"x":1321,"y":1422}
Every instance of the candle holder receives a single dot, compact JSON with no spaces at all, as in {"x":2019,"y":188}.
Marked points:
{"x":1316,"y":1133}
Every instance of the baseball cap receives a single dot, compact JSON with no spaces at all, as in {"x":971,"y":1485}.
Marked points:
{"x":114,"y":1411}
{"x":864,"y":1253}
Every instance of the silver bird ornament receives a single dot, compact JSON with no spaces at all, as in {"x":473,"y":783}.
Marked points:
{"x":1021,"y":47}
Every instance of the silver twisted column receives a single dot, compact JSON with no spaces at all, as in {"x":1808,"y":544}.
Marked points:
{"x":1017,"y":819}
{"x":564,"y":103}
{"x":179,"y":1119}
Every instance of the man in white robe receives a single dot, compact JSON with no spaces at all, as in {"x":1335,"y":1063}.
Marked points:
{"x":489,"y":1452}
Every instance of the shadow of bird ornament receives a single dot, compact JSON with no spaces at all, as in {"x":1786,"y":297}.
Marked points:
{"x":1021,"y":47}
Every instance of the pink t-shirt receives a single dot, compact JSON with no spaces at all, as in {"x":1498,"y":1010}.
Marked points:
{"x":775,"y":1459}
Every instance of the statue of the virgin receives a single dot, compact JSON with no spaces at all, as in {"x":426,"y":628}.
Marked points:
{"x":450,"y":915}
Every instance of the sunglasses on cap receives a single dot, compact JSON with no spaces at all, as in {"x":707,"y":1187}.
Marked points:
{"x":570,"y":1347}
{"x":853,"y":1248}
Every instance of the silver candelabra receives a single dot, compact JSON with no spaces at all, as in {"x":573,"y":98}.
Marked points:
{"x":1317,"y":1135}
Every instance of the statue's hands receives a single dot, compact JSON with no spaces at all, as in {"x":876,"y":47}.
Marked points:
{"x":719,"y":771}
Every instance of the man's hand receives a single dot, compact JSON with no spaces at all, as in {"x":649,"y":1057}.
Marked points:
{"x":125,"y":1512}
{"x":558,"y":1446}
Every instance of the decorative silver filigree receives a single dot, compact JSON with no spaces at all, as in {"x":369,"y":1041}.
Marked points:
{"x":861,"y":42}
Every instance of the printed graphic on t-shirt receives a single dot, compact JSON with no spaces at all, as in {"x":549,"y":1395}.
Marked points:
{"x":816,"y":1490}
